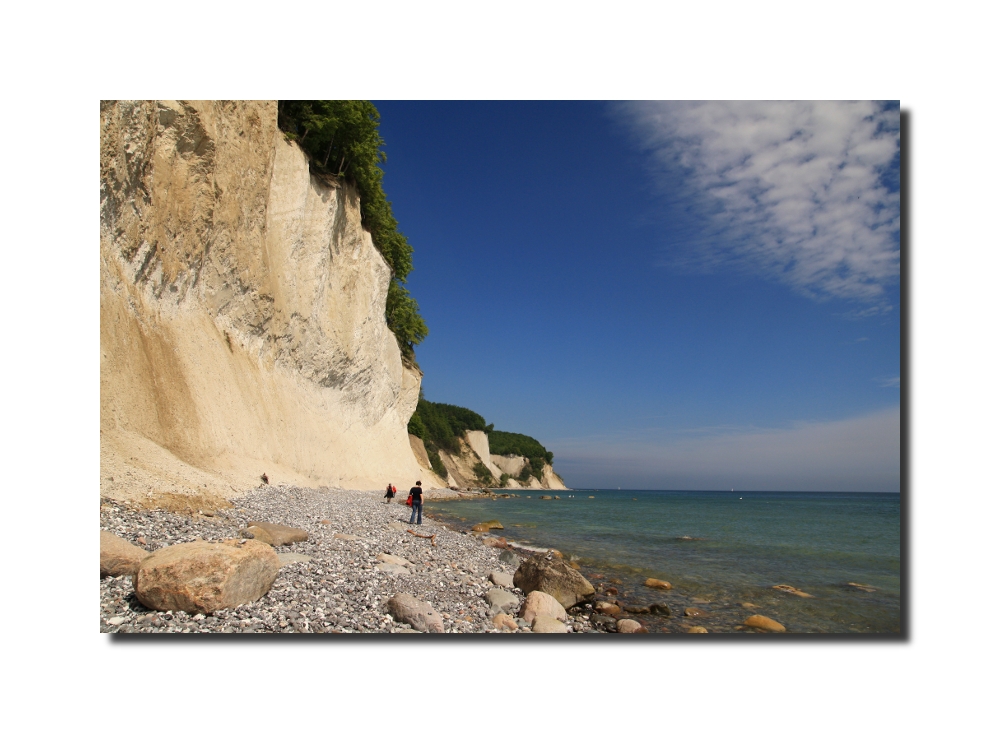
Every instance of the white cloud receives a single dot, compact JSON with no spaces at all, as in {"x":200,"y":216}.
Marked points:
{"x":793,"y":190}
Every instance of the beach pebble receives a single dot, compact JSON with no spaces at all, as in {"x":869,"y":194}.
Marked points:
{"x":636,"y":609}
{"x":697,"y":630}
{"x":502,"y":599}
{"x":548,"y":625}
{"x":764,"y":623}
{"x":257,"y":533}
{"x":657,"y":583}
{"x":338,"y":590}
{"x":504,"y":580}
{"x":287,"y":558}
{"x":862,"y":586}
{"x":392,"y":559}
{"x":509,"y":558}
{"x":792,"y":590}
{"x":691,"y":611}
{"x":503,"y":621}
{"x":628,"y":626}
{"x":606,"y":608}
{"x":487,"y":526}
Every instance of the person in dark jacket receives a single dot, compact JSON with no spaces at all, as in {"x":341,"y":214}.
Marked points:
{"x":390,"y":492}
{"x":417,"y":494}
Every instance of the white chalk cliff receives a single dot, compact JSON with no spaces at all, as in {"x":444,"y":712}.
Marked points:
{"x":242,"y":312}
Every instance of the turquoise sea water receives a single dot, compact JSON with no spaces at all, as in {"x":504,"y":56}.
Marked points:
{"x":744,"y":543}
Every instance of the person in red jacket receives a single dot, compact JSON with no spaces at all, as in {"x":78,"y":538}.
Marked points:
{"x":390,"y":493}
{"x":417,"y":495}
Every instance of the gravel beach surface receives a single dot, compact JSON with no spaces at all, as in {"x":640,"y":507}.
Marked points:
{"x":340,"y":586}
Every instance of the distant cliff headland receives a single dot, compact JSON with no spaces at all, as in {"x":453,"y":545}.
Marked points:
{"x":254,"y":318}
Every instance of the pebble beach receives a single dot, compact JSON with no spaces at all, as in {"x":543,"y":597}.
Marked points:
{"x":335,"y":581}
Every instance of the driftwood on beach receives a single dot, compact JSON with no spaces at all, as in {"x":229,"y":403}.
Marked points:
{"x":425,"y":536}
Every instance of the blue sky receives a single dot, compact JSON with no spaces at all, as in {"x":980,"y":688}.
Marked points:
{"x":665,"y":295}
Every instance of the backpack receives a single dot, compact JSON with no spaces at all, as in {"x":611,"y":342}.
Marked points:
{"x":409,"y":500}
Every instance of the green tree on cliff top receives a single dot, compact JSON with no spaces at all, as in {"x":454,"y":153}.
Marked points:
{"x":341,"y":139}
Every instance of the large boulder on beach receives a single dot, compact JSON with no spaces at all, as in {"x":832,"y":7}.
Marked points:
{"x":119,"y":556}
{"x":555,"y":577}
{"x":499,"y":542}
{"x":420,"y":615}
{"x":202,"y":577}
{"x":281,"y":534}
{"x":658,"y":584}
{"x":542,"y":604}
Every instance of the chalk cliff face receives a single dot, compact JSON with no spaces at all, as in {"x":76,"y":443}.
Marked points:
{"x":474,"y":448}
{"x":242,"y":311}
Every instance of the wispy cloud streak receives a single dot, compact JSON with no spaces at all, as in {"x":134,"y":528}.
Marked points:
{"x":803,"y":192}
{"x":860,"y":453}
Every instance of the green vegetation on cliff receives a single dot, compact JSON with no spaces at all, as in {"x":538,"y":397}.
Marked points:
{"x":341,"y":139}
{"x":505,"y":444}
{"x":440,"y":426}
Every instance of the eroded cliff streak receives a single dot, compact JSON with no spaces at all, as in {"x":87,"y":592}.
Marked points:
{"x":242,"y":311}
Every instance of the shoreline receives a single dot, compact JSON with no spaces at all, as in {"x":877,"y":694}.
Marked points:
{"x":696,"y":604}
{"x":341,"y":585}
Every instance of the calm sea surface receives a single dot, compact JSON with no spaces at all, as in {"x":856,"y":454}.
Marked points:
{"x":744,"y":543}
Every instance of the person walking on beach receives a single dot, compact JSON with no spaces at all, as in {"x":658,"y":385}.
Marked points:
{"x":417,"y":496}
{"x":390,"y":493}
